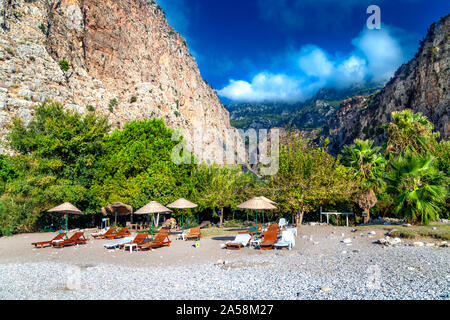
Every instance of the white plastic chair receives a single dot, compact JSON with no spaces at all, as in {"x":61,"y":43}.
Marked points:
{"x":282,"y":223}
{"x":287,"y":240}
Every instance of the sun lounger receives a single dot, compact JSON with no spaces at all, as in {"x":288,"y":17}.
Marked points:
{"x":160,"y":240}
{"x":76,"y":238}
{"x":282,"y":223}
{"x":274,"y":227}
{"x":293,"y":230}
{"x":287,"y":240}
{"x":252,"y":230}
{"x":270,"y":238}
{"x":42,"y":244}
{"x":123,"y":232}
{"x":165,"y":230}
{"x":241,"y":240}
{"x":194,"y":234}
{"x":104,"y":234}
{"x":140,"y":239}
{"x":117,"y":243}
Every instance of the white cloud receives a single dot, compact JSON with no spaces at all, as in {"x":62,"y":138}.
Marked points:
{"x":382,"y":52}
{"x":314,"y":62}
{"x":376,"y":56}
{"x":265,"y":87}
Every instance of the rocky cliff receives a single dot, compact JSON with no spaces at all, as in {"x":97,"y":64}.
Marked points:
{"x":119,"y":57}
{"x":422,"y":85}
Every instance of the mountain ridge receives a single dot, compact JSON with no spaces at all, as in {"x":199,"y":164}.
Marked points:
{"x":118,"y":57}
{"x":421,"y":85}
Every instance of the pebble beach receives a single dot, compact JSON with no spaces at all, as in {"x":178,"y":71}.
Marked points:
{"x":326,"y":263}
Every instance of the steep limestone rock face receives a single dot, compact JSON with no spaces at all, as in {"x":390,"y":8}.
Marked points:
{"x":125,"y":62}
{"x":422,"y":85}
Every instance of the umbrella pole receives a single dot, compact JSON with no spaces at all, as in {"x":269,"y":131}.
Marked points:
{"x":152,"y":226}
{"x":115,"y":219}
{"x":67,"y":219}
{"x":256,"y":223}
{"x":262,"y":218}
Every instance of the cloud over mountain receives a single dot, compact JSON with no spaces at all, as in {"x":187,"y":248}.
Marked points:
{"x":375,"y":56}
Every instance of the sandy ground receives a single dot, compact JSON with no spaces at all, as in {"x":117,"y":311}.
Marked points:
{"x":311,"y":240}
{"x":321,"y":266}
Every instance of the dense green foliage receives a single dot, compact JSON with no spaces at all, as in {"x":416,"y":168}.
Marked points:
{"x":419,"y":189}
{"x":137,"y":167}
{"x":65,"y":156}
{"x":368,"y":165}
{"x":308,"y":177}
{"x":414,"y":183}
{"x":219,"y":187}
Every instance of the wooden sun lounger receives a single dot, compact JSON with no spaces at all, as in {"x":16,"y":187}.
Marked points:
{"x":160,"y":240}
{"x":165,"y":230}
{"x":108,"y":232}
{"x":194,"y":234}
{"x":42,"y":244}
{"x":274,"y":228}
{"x":252,"y":230}
{"x":235,"y":245}
{"x":270,"y":238}
{"x":140,"y":239}
{"x":123,"y":232}
{"x":76,"y":238}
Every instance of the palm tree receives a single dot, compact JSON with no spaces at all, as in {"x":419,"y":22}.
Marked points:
{"x":420,"y":190}
{"x":368,"y":165}
{"x":410,"y":131}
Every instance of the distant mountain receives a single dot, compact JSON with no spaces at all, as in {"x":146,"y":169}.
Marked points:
{"x":422,"y":85}
{"x":309,"y":115}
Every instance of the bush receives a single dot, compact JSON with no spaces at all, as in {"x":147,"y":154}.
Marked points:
{"x":112,"y":104}
{"x":64,"y":65}
{"x":15,"y":217}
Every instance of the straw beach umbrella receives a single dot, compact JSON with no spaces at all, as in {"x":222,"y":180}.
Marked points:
{"x":257,"y":203}
{"x":118,"y":209}
{"x":269,"y":201}
{"x":66,"y":208}
{"x":182,"y":204}
{"x":151,"y":208}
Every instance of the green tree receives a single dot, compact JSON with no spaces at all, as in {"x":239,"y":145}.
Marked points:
{"x":56,"y":159}
{"x":419,"y":189}
{"x":409,"y":131}
{"x":7,"y":172}
{"x":368,"y":165}
{"x":137,"y":167}
{"x":221,"y":186}
{"x":308,"y":177}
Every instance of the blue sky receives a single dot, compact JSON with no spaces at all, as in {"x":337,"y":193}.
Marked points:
{"x":285,"y":50}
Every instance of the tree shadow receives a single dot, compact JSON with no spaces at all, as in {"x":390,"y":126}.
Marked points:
{"x":222,"y":238}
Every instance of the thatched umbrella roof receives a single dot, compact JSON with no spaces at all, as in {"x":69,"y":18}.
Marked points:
{"x":66,"y":208}
{"x":153,"y":207}
{"x":119,"y":208}
{"x":182,"y":204}
{"x":267,"y":199}
{"x":257,"y":203}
